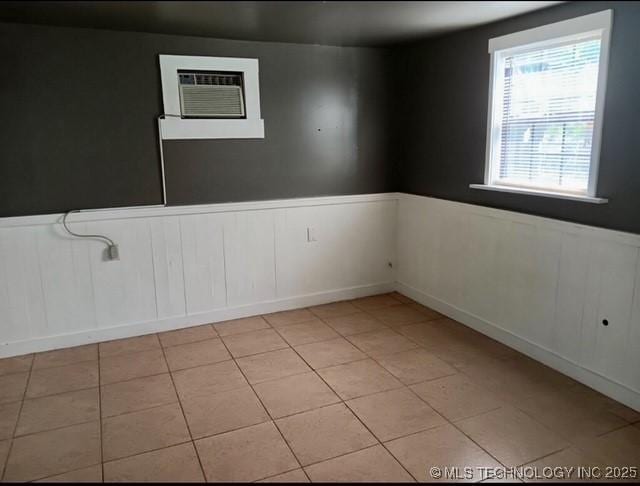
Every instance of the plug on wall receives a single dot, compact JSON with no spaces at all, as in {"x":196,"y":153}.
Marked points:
{"x":311,"y":234}
{"x":111,"y":253}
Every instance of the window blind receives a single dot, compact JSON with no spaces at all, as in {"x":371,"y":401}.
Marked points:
{"x":546,"y":116}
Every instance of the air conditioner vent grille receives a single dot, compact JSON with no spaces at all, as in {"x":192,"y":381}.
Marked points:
{"x":211,"y":94}
{"x":212,"y":78}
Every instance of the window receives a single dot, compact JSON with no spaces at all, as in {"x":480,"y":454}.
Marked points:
{"x":545,"y":111}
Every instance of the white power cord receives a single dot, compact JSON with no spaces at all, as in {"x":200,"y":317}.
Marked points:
{"x":111,"y":253}
{"x":164,"y":183}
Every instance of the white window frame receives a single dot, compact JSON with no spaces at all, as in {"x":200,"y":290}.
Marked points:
{"x":174,"y":127}
{"x":597,"y":24}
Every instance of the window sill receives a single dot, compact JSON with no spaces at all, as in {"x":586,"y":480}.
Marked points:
{"x":534,"y":192}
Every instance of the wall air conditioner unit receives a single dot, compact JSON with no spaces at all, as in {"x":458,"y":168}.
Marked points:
{"x":211,"y":94}
{"x":210,"y":97}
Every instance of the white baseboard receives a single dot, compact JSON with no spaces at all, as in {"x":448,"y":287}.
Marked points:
{"x":47,"y":343}
{"x":604,"y":385}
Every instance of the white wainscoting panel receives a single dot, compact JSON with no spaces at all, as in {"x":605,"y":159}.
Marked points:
{"x":168,"y":265}
{"x":124,"y":291}
{"x":67,"y":285}
{"x":203,"y":260}
{"x":249,"y":245}
{"x":181,"y":266}
{"x":23,"y":304}
{"x":346,"y":252}
{"x":541,"y":286}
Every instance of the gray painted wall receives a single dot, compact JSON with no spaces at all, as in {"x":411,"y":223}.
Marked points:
{"x":79,"y":128}
{"x":442,"y":121}
{"x":79,"y":131}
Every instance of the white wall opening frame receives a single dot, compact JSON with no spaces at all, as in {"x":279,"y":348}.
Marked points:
{"x":173,"y":126}
{"x":597,"y":25}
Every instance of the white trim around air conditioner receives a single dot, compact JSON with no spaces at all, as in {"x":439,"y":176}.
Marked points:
{"x":596,"y":24}
{"x":180,"y":129}
{"x":174,"y":127}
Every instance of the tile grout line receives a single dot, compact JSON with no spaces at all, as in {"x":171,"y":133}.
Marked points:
{"x":505,"y":403}
{"x":75,"y":390}
{"x":235,"y":429}
{"x":267,"y":412}
{"x":272,"y":420}
{"x":290,"y":346}
{"x":474,"y":415}
{"x":152,"y":407}
{"x":142,"y":453}
{"x":410,"y":385}
{"x":443,"y":417}
{"x":40,"y":368}
{"x":630,"y":424}
{"x":546,"y":455}
{"x":45,"y":478}
{"x":406,"y":386}
{"x":516,"y":406}
{"x":253,"y":425}
{"x":125,"y":353}
{"x":379,"y":442}
{"x":171,"y":372}
{"x":372,"y":357}
{"x":53,"y":429}
{"x":217,"y":336}
{"x":421,"y":346}
{"x":343,"y":402}
{"x":47,"y":396}
{"x":184,"y":416}
{"x":302,"y":344}
{"x":263,"y":316}
{"x":141,"y":377}
{"x":213,"y":324}
{"x":15,"y":427}
{"x":476,"y":443}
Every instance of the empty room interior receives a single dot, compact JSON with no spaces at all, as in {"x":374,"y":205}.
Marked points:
{"x":320,"y":241}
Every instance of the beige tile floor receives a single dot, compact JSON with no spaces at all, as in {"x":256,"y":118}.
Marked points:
{"x":379,"y":388}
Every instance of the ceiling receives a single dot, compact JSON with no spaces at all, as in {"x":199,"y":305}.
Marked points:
{"x":310,"y":22}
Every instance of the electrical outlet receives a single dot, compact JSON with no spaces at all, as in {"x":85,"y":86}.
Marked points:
{"x":311,"y":234}
{"x":114,"y":252}
{"x":111,"y":253}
